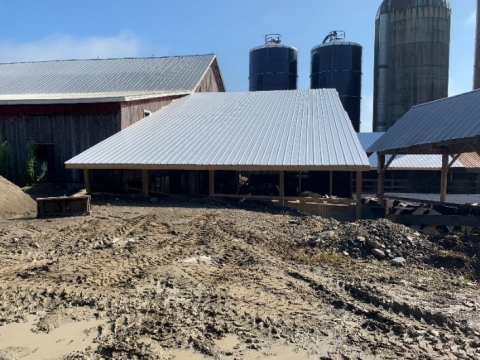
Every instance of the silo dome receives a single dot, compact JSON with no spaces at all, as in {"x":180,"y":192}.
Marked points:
{"x":391,"y":5}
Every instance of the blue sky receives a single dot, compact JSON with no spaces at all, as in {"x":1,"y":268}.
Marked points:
{"x":63,"y":29}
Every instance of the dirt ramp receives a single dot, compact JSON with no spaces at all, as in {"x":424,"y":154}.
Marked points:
{"x":13,"y":201}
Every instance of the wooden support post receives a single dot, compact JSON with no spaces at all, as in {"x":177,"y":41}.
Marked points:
{"x":381,"y":178}
{"x":282,"y":187}
{"x":145,"y":182}
{"x":359,"y":195}
{"x":162,"y":184}
{"x":330,"y":186}
{"x":443,"y":182}
{"x":86,"y":180}
{"x":211,"y":182}
{"x":300,"y":183}
{"x":197,"y":181}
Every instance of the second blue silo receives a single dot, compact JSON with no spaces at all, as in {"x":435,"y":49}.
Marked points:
{"x":337,"y":64}
{"x":273,"y":66}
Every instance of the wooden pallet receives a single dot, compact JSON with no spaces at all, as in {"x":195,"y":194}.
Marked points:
{"x":63,"y":206}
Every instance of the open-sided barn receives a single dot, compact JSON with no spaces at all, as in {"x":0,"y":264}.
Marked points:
{"x":204,"y":143}
{"x":421,"y":172}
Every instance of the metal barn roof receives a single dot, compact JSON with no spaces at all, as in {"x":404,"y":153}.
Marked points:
{"x":404,"y":162}
{"x":101,"y":78}
{"x":425,"y":128}
{"x":270,"y":130}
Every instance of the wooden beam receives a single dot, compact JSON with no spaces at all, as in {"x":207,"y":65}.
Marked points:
{"x":145,"y":182}
{"x":359,"y":195}
{"x":330,"y":185}
{"x":455,"y":158}
{"x":282,"y":186}
{"x":389,"y":162}
{"x":381,"y":178}
{"x":443,"y":181}
{"x":211,"y":182}
{"x":446,"y":220}
{"x":87,"y":181}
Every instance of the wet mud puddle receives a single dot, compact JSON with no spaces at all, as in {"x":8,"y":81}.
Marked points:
{"x":18,"y":341}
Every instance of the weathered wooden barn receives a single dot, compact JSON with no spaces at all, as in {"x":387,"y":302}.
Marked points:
{"x":65,"y":107}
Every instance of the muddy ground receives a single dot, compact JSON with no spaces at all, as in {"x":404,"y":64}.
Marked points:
{"x":188,"y":279}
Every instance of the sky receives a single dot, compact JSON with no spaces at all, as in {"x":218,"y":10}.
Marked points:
{"x":67,"y":29}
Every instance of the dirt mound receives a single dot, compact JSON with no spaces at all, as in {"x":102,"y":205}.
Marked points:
{"x":13,"y":201}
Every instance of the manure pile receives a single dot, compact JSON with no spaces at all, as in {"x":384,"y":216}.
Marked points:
{"x":13,"y":201}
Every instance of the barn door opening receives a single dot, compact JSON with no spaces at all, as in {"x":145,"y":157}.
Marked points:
{"x":45,"y":154}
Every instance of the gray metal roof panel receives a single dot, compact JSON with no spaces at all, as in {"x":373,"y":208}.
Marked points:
{"x":272,"y":128}
{"x":452,"y":118}
{"x":403,"y":162}
{"x":104,"y":76}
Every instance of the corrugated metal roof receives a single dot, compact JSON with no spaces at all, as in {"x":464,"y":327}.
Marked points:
{"x":470,"y":160}
{"x":101,"y":77}
{"x":452,"y":118}
{"x":403,"y":162}
{"x":298,"y":129}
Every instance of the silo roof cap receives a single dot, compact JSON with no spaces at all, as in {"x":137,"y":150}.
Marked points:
{"x":273,"y":45}
{"x":388,"y":6}
{"x":337,"y":42}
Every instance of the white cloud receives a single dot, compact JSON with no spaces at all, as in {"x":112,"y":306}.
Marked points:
{"x":64,"y":46}
{"x":472,"y":19}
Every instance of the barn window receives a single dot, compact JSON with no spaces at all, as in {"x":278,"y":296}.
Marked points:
{"x":146,"y":113}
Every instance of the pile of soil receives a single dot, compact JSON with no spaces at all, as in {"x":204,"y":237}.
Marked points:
{"x":175,"y":279}
{"x":13,"y":201}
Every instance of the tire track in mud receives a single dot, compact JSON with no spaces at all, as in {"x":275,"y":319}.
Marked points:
{"x":145,"y":290}
{"x":391,"y":317}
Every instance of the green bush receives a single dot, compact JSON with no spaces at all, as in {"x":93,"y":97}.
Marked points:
{"x":34,"y":170}
{"x":6,"y":161}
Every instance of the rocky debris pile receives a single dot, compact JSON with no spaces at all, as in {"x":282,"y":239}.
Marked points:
{"x":380,"y":239}
{"x":13,"y":201}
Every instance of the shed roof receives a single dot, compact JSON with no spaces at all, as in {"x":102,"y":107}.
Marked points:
{"x":45,"y":81}
{"x":428,"y":162}
{"x":271,"y":130}
{"x":426,"y":128}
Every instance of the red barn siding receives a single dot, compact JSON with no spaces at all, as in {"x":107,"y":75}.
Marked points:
{"x":72,"y":128}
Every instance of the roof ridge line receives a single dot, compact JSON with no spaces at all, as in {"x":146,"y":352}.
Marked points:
{"x":106,"y":59}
